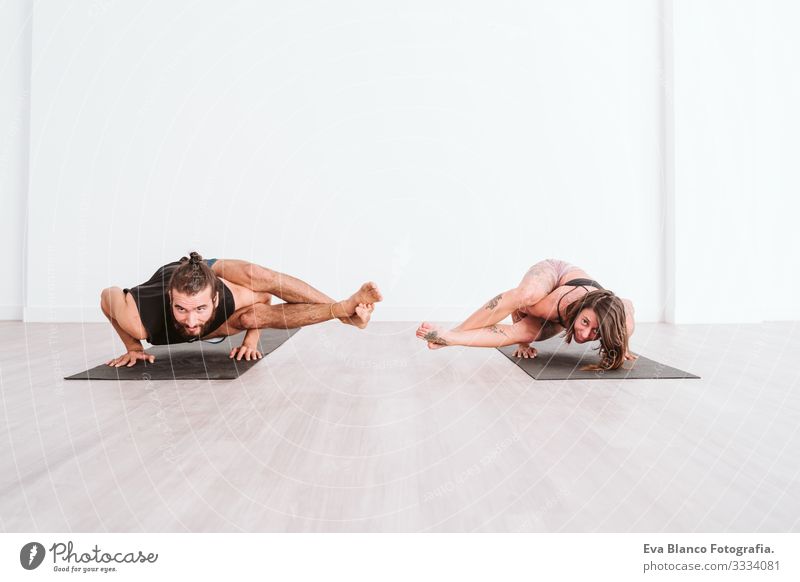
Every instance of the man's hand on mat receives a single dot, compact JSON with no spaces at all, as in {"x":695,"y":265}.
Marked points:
{"x":246,"y":352}
{"x":129,"y":359}
{"x":525,"y":352}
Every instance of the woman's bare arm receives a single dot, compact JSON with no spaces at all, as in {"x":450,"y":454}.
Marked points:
{"x":630,"y":324}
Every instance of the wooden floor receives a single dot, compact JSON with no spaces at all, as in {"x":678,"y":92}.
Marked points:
{"x":342,"y":430}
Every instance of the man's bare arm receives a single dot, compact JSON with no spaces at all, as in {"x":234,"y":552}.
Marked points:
{"x":114,"y":306}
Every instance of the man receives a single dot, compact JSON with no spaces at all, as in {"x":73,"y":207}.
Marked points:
{"x":194,"y":299}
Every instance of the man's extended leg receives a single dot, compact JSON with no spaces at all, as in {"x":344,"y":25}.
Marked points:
{"x":288,"y":288}
{"x":290,"y":315}
{"x":258,"y":278}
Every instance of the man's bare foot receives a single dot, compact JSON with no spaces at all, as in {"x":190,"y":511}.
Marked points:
{"x":361,"y":317}
{"x":433,"y":334}
{"x":367,"y":294}
{"x":354,"y":311}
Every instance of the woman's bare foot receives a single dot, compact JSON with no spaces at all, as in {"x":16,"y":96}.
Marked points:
{"x":361,"y":317}
{"x":433,"y":334}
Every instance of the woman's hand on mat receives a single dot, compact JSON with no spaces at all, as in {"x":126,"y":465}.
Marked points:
{"x":523,"y":351}
{"x":630,"y":356}
{"x":130,"y":358}
{"x":246,"y":352}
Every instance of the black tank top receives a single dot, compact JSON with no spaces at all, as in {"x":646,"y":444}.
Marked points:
{"x":155,"y":309}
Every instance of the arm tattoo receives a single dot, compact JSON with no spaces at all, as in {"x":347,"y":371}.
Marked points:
{"x":434,"y":338}
{"x":496,"y":329}
{"x":494,"y":301}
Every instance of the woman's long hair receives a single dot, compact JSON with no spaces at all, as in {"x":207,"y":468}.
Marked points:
{"x":610,"y":313}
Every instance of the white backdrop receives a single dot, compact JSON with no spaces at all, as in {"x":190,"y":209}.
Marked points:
{"x":737,"y":143}
{"x":15,"y":71}
{"x":438,"y":149}
{"x":439,"y":152}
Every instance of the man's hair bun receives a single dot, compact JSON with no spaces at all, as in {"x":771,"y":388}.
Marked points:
{"x":194,"y":258}
{"x":192,"y":275}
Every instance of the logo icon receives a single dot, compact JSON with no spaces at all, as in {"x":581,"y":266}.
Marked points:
{"x":31,"y":555}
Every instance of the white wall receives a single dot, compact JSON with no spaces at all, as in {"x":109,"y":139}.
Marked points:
{"x":15,"y":74}
{"x":714,"y":152}
{"x":736,"y":146}
{"x":777,"y":154}
{"x":435,"y":150}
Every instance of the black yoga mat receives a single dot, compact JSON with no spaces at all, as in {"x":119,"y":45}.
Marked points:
{"x":557,"y":360}
{"x":191,"y":361}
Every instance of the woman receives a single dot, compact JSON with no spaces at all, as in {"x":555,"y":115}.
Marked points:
{"x":553,"y":296}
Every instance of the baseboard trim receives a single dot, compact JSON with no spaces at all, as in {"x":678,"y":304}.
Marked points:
{"x":63,"y":314}
{"x":10,"y":312}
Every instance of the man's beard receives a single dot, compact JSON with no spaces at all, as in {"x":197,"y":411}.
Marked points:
{"x":204,"y":328}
